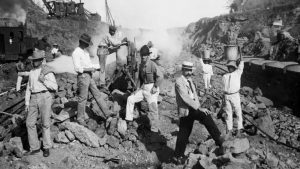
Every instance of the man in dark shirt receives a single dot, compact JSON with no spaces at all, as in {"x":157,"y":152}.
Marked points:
{"x":149,"y":79}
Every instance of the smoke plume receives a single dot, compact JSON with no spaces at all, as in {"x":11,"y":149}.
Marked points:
{"x":13,"y":9}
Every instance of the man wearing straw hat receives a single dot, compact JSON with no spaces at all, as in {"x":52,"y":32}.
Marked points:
{"x":189,"y":110}
{"x":84,"y":68}
{"x":38,"y":100}
{"x":232,"y":101}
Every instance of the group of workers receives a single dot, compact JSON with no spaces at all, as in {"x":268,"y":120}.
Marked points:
{"x":42,"y":81}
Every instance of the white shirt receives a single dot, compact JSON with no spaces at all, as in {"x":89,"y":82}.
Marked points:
{"x":54,"y":51}
{"x":190,"y":92}
{"x":154,"y":53}
{"x":82,"y":60}
{"x":232,"y":81}
{"x":206,"y":68}
{"x":109,"y":41}
{"x":34,"y":85}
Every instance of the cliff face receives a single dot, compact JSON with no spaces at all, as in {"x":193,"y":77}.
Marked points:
{"x":222,"y":29}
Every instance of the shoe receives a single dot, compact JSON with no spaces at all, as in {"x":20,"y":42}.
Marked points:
{"x":46,"y":152}
{"x":30,"y":153}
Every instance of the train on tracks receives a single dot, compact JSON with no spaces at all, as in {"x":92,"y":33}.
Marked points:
{"x":14,"y":40}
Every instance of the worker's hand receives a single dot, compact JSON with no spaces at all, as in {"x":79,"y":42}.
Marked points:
{"x":154,"y":90}
{"x":205,"y":111}
{"x":27,"y":108}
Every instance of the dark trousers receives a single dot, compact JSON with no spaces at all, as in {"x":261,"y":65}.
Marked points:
{"x":186,"y":126}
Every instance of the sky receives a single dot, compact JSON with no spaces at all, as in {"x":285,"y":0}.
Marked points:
{"x":158,"y":14}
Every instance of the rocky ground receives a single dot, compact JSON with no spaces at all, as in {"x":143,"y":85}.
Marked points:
{"x":113,"y":144}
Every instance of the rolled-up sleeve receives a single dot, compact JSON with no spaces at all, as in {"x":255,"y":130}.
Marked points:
{"x":240,"y":68}
{"x":76,"y":61}
{"x":50,"y":82}
{"x":27,"y":95}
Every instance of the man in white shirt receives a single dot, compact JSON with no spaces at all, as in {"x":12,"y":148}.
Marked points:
{"x":55,"y":50}
{"x":38,"y":100}
{"x":84,"y":67}
{"x":232,"y":85}
{"x":207,"y":72}
{"x":108,"y":45}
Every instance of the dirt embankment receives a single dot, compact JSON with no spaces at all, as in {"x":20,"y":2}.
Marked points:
{"x":216,"y":30}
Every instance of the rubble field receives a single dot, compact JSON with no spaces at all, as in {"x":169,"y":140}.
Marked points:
{"x":113,"y":144}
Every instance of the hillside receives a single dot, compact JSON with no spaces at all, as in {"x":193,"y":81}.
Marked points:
{"x":208,"y":30}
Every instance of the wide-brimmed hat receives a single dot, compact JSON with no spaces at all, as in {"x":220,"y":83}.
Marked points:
{"x":145,"y":51}
{"x":231,"y":63}
{"x":188,"y":65}
{"x":277,"y":23}
{"x":86,"y":39}
{"x":55,"y":44}
{"x":37,"y":54}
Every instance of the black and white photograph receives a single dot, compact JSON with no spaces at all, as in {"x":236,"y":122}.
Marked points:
{"x":149,"y":84}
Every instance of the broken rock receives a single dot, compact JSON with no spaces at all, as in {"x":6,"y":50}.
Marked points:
{"x":16,"y":142}
{"x":113,"y":142}
{"x":92,"y":124}
{"x":264,"y":100}
{"x":237,"y":146}
{"x":122,"y":127}
{"x":83,"y":134}
{"x":61,"y":138}
{"x":70,"y":135}
{"x":65,"y":114}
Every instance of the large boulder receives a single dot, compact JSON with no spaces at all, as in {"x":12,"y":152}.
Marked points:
{"x":237,"y":146}
{"x":122,"y":127}
{"x":264,"y":100}
{"x":83,"y":134}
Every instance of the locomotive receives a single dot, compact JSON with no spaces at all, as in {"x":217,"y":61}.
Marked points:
{"x":14,"y":41}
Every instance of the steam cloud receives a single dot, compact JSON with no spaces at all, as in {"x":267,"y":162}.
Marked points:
{"x":13,"y":9}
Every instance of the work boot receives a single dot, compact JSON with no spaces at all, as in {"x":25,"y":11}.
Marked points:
{"x":46,"y":152}
{"x":33,"y":152}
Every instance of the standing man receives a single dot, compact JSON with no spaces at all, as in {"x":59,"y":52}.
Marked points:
{"x":189,"y":110}
{"x":108,"y":45}
{"x":149,"y":79}
{"x":84,"y":67}
{"x":207,"y":72}
{"x":55,"y":50}
{"x":38,"y":101}
{"x":232,"y":85}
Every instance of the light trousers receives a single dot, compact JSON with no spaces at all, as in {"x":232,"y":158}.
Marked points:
{"x":206,"y":78}
{"x":39,"y":104}
{"x":233,"y":102}
{"x":151,"y":99}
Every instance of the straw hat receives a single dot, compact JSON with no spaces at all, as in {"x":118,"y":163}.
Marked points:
{"x":277,"y":23}
{"x":188,"y":65}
